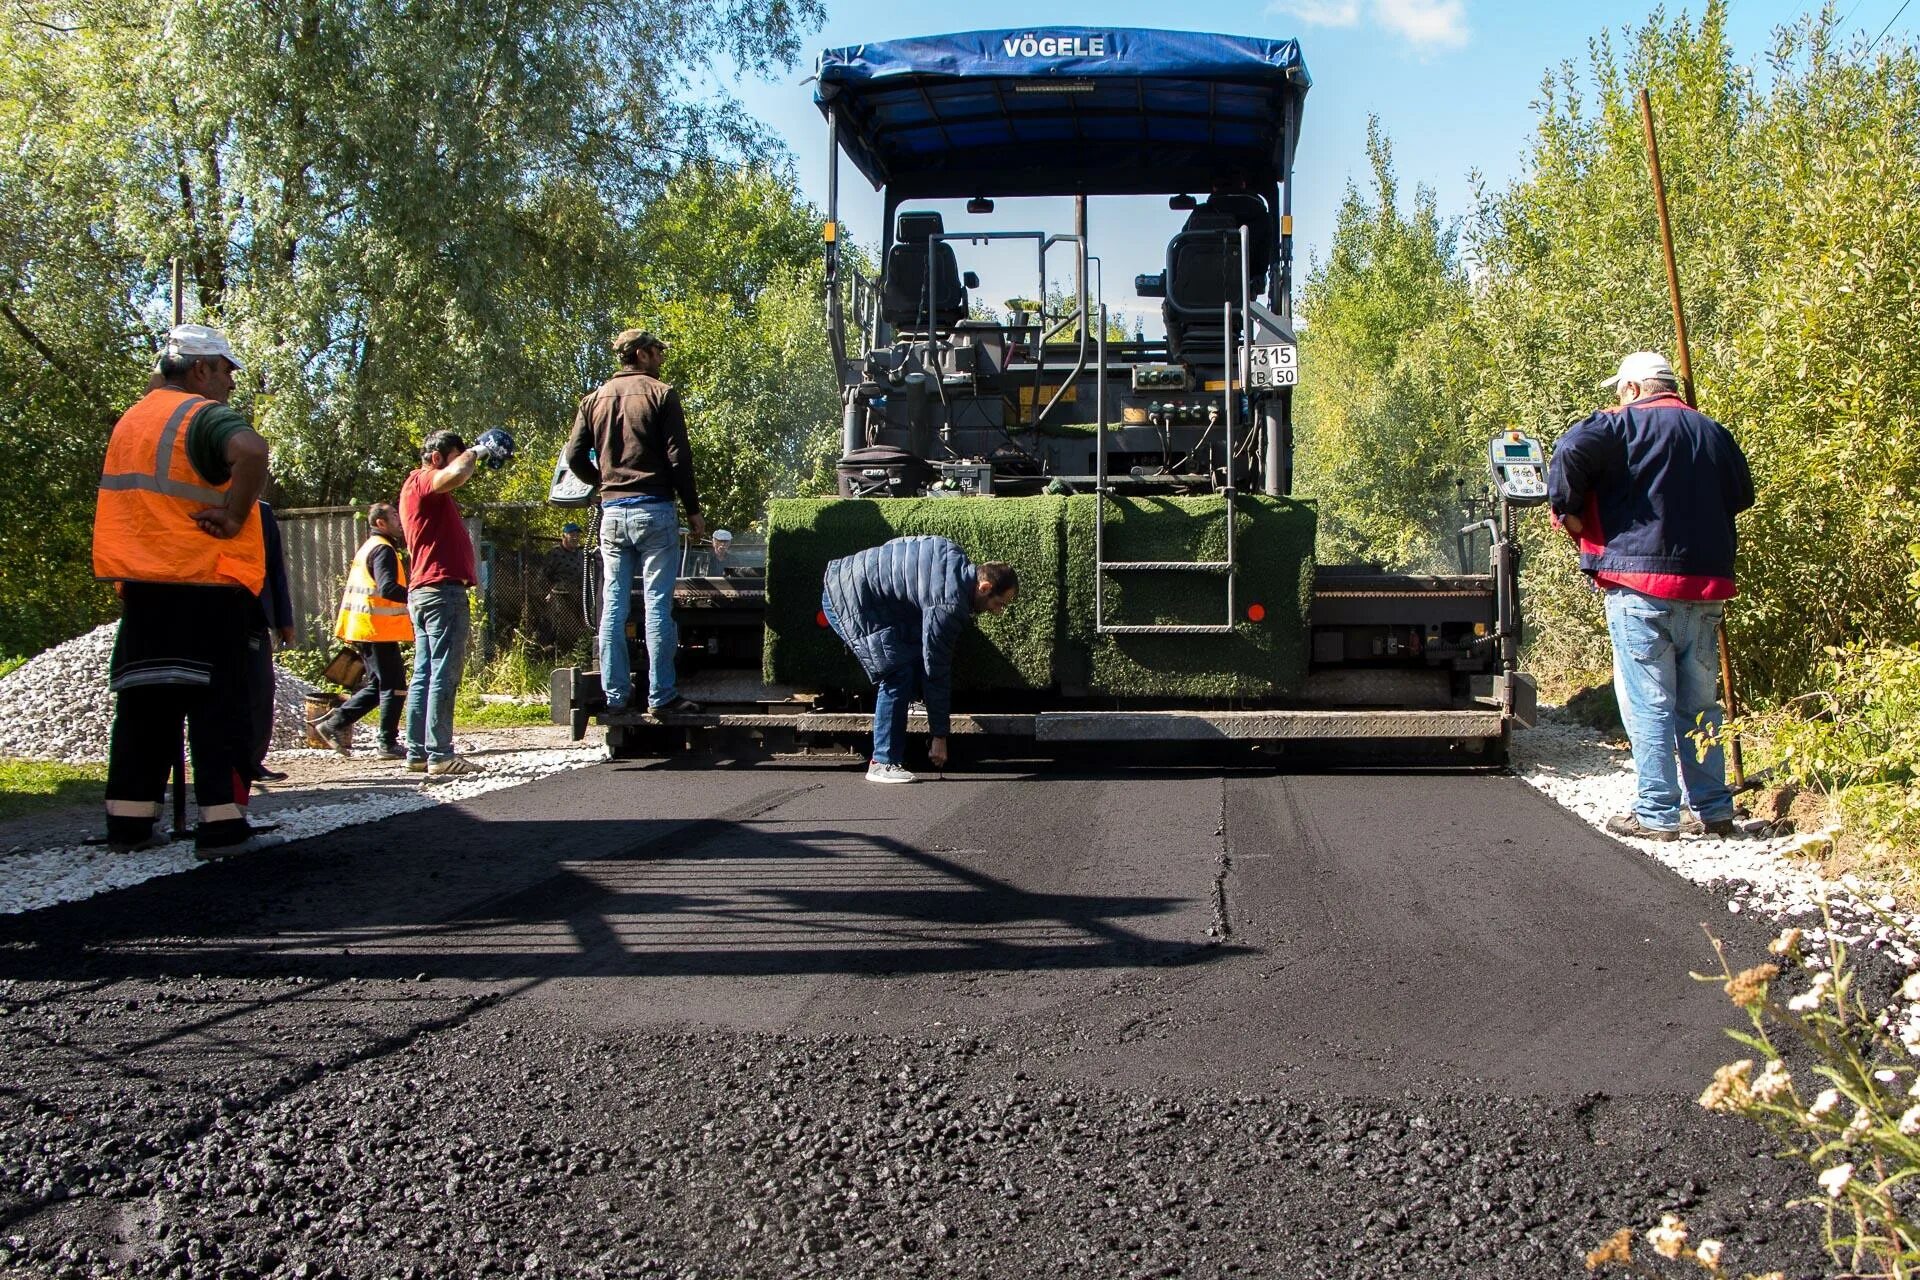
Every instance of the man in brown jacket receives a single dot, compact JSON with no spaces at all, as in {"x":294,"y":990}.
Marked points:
{"x":630,"y":438}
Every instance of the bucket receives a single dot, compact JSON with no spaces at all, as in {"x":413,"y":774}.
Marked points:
{"x":318,"y":705}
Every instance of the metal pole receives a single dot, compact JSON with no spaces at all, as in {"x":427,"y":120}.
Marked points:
{"x":1687,"y":387}
{"x":1080,"y":260}
{"x":179,"y":291}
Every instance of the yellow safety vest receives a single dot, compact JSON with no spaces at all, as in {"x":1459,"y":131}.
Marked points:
{"x":365,"y":616}
{"x":143,"y":527}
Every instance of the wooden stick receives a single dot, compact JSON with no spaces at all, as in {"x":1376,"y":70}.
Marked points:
{"x":1687,"y":389}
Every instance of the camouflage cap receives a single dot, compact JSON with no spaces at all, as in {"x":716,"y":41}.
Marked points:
{"x":632,"y":340}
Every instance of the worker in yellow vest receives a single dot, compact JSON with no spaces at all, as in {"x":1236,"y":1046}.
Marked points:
{"x":177,"y":528}
{"x":373,"y":618}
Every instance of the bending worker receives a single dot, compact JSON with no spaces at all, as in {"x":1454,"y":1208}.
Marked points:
{"x":373,"y":618}
{"x":1649,"y":489}
{"x":901,"y":608}
{"x":177,"y":526}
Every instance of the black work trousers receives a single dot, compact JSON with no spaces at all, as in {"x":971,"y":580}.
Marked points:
{"x":146,"y":737}
{"x":386,"y":688}
{"x":260,"y":684}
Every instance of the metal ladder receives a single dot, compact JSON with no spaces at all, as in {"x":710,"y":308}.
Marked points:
{"x":1104,"y":566}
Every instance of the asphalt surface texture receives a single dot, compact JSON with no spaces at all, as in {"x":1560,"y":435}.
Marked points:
{"x":695,"y":1020}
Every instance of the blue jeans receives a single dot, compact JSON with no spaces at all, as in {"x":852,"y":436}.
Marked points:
{"x":440,"y":630}
{"x":1665,"y":674}
{"x":893,"y":695}
{"x":643,"y":540}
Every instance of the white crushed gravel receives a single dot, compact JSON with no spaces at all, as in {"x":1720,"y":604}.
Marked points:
{"x":56,"y":705}
{"x":30,"y":881}
{"x":1582,"y":770}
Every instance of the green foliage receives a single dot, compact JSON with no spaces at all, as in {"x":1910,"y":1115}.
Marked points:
{"x":408,"y":216}
{"x":1390,"y":358}
{"x":1797,"y":221}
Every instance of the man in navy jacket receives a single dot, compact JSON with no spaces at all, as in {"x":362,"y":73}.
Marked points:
{"x":1649,"y":489}
{"x":902,"y":607}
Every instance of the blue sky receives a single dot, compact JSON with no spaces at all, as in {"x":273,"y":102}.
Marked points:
{"x":1452,"y":82}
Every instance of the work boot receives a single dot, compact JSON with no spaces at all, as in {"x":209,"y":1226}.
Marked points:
{"x":331,"y":732}
{"x":1630,"y":826}
{"x":392,"y":707}
{"x":392,"y":751}
{"x":138,"y":844}
{"x":1719,"y":828}
{"x":679,"y":706}
{"x":215,"y":840}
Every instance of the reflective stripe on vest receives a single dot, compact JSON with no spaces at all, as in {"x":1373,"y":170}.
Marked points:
{"x":143,"y":526}
{"x":365,"y":616}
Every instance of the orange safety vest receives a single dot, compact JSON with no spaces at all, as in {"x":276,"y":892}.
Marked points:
{"x":143,"y":529}
{"x":365,"y":616}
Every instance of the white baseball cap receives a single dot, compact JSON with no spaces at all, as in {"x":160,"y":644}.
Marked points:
{"x":1641,"y":366}
{"x":200,"y":340}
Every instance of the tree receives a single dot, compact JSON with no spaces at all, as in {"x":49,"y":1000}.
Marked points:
{"x":408,"y":215}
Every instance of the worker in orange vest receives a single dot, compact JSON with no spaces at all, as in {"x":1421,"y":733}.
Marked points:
{"x":373,"y":618}
{"x":177,"y":527}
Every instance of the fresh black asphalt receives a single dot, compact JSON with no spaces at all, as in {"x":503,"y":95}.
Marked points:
{"x":702,"y":1019}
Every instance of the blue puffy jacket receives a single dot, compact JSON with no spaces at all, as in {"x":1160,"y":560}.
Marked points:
{"x":902,"y":602}
{"x":1656,"y":486}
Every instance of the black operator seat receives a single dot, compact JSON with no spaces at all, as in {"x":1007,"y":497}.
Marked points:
{"x":903,"y":289}
{"x":1203,"y":270}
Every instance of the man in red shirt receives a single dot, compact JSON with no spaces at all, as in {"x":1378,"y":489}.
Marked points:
{"x":443,"y":572}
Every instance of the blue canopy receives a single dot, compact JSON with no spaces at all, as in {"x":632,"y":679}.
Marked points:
{"x":1067,"y":111}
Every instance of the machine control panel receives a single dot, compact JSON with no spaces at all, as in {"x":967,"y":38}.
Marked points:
{"x":1519,"y":469}
{"x":1161,"y":377}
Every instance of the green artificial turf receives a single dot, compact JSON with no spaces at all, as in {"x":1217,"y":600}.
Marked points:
{"x":1015,"y":650}
{"x":1047,"y":639}
{"x":1274,"y":539}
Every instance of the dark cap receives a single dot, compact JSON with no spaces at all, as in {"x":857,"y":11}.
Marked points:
{"x":447,"y":442}
{"x":569,"y":527}
{"x":632,"y":340}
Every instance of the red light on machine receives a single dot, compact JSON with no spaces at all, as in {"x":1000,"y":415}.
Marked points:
{"x":1256,"y":613}
{"x":820,"y":618}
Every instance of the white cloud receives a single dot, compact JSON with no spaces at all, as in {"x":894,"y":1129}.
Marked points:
{"x":1430,"y":24}
{"x":1319,"y":13}
{"x":1426,"y":24}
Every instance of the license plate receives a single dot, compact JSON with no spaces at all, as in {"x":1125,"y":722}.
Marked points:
{"x":1273,"y":366}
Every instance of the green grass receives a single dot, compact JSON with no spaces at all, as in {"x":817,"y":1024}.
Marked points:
{"x":469,"y":712}
{"x":1047,"y":640}
{"x":34,"y":786}
{"x":1015,"y":650}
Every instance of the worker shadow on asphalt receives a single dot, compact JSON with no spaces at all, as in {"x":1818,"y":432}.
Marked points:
{"x":449,"y":895}
{"x":255,"y":974}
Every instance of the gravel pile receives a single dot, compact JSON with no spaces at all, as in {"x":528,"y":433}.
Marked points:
{"x":56,"y":705}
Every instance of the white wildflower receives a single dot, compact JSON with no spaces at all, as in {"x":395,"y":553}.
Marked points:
{"x":1835,"y":1180}
{"x":1827,"y":1101}
{"x":1669,"y":1238}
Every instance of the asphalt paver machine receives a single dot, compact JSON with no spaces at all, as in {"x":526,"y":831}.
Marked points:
{"x":1143,"y":486}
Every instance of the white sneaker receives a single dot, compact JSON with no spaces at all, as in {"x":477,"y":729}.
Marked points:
{"x":877,"y":772}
